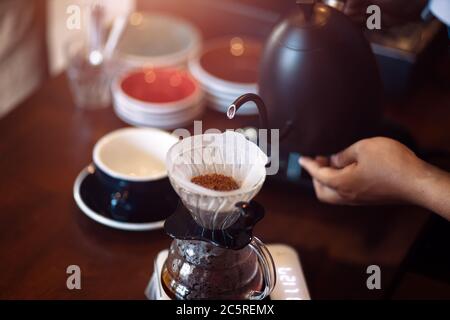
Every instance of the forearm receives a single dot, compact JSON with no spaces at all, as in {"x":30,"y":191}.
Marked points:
{"x":432,"y":190}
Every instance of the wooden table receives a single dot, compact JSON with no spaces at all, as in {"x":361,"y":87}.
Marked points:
{"x":46,"y":142}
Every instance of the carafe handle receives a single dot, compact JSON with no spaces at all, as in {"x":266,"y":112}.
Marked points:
{"x":268,"y":269}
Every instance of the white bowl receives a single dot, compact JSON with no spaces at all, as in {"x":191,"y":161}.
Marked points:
{"x":156,"y":107}
{"x":194,"y":110}
{"x":134,"y":105}
{"x":212,"y":83}
{"x":221,"y":92}
{"x":158,"y":39}
{"x":133,"y":99}
{"x":221,"y":84}
{"x":168,"y":122}
{"x":225,"y":95}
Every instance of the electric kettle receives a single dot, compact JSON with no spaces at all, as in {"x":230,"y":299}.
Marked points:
{"x":319,"y":81}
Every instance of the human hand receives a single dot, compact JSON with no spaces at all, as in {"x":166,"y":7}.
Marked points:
{"x":371,"y":171}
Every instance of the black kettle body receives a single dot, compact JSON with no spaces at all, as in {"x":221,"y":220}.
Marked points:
{"x":319,"y":80}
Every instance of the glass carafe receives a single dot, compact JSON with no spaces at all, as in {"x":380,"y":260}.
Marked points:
{"x":200,"y":270}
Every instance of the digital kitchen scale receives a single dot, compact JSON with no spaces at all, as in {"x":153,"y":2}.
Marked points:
{"x":290,"y":284}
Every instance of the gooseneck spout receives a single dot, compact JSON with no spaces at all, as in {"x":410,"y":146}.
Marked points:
{"x":262,"y":111}
{"x":250,"y":97}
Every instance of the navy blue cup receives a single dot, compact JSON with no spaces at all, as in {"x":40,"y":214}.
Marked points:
{"x":130,"y":168}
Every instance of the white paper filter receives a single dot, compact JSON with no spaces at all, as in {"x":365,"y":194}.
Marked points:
{"x":229,"y":154}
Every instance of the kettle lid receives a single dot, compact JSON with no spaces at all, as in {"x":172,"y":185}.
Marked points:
{"x":307,"y":27}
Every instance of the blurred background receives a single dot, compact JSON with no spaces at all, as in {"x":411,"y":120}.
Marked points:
{"x":34,"y":34}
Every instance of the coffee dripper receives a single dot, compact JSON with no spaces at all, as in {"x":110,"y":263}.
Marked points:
{"x":214,"y":254}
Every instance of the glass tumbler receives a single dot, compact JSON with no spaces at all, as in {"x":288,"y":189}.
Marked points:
{"x":89,"y":75}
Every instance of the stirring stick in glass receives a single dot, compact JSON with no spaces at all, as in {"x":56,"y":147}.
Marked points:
{"x":96,"y":30}
{"x":114,"y":36}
